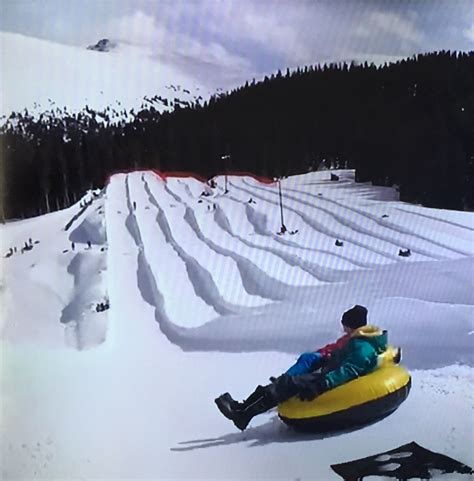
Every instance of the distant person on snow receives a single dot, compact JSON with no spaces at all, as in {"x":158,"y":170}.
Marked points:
{"x":352,"y":355}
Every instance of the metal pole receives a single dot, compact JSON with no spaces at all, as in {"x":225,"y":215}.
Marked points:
{"x":226,"y":159}
{"x":281,"y":204}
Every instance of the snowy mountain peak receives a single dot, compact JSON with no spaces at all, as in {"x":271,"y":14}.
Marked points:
{"x":81,"y":77}
{"x":103,"y":45}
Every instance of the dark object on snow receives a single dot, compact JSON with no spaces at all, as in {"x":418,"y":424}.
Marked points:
{"x":102,"y":249}
{"x":64,"y":251}
{"x":89,"y":244}
{"x":37,"y":242}
{"x":200,"y":201}
{"x":384,"y":216}
{"x":293,"y":232}
{"x":334,"y":177}
{"x":339,"y":243}
{"x":102,"y":306}
{"x":134,"y":205}
{"x":9,"y":253}
{"x":73,"y":246}
{"x":403,"y":463}
{"x":282,"y":230}
{"x":103,"y":45}
{"x":320,"y":195}
{"x":403,"y":253}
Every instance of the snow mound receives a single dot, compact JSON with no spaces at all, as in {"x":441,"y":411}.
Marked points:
{"x":85,"y":327}
{"x":91,"y":229}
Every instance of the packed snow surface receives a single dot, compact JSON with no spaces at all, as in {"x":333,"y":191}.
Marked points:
{"x":124,"y":316}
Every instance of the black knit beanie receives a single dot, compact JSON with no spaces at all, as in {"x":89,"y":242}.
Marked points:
{"x":355,"y":317}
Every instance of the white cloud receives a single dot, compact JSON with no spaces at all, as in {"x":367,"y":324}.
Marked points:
{"x":278,"y":27}
{"x":207,"y":61}
{"x":396,"y":25}
{"x":227,"y":41}
{"x":469,"y":33}
{"x":138,"y":29}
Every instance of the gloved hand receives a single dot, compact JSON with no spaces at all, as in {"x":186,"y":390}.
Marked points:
{"x":308,"y":394}
{"x":309,"y":386}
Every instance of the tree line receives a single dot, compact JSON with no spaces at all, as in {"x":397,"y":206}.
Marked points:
{"x":409,"y":124}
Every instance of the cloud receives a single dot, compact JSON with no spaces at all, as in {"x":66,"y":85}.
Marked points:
{"x":469,"y":33}
{"x":207,"y":61}
{"x":229,"y":41}
{"x":138,"y":28}
{"x":376,"y":24}
{"x":277,"y":28}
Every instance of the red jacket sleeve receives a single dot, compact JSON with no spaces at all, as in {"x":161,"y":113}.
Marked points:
{"x":327,"y":350}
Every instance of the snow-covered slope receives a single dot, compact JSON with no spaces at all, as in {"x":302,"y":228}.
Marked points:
{"x":205,"y":297}
{"x":41,"y":75}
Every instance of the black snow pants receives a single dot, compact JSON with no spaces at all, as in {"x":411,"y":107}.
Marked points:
{"x":306,"y":386}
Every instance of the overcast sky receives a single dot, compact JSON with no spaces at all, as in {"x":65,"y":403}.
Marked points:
{"x":225,"y":42}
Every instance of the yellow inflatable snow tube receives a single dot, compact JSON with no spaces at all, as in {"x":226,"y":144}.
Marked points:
{"x":360,"y":401}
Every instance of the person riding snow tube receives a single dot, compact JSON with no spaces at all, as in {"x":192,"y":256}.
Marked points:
{"x":317,"y":374}
{"x":367,"y":398}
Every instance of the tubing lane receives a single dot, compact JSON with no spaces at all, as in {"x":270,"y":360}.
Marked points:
{"x":201,"y":279}
{"x":321,"y":228}
{"x":319,"y":273}
{"x":382,"y":223}
{"x":254,"y":280}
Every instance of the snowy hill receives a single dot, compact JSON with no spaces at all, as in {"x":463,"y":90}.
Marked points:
{"x":205,"y":297}
{"x":42,"y":76}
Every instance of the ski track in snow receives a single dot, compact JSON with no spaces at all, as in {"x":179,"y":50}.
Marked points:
{"x":200,"y":277}
{"x":255,"y":280}
{"x":238,"y":327}
{"x":408,"y":234}
{"x":318,"y":272}
{"x":238,"y":279}
{"x":364,"y":233}
{"x":259,"y":220}
{"x":255,"y":218}
{"x":347,"y":236}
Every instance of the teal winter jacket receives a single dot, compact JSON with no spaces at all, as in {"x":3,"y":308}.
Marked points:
{"x":358,"y":357}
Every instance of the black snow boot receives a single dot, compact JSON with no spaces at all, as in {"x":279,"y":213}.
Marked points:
{"x":260,"y":401}
{"x":227,"y":405}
